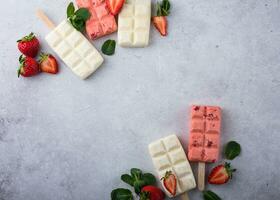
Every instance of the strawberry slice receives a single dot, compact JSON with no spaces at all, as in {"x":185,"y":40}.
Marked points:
{"x":170,"y":182}
{"x":48,"y":63}
{"x":160,"y":23}
{"x":115,"y":6}
{"x":221,"y":174}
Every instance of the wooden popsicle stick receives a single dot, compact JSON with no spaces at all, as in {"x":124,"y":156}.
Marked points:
{"x":201,"y":176}
{"x":45,"y":19}
{"x":185,"y":196}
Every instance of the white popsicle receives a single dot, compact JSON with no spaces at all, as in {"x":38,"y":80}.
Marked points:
{"x":168,"y":155}
{"x":72,"y":47}
{"x":134,"y":23}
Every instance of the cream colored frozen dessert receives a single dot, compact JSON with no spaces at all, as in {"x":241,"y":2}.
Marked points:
{"x":168,"y":156}
{"x":134,"y":23}
{"x":74,"y":50}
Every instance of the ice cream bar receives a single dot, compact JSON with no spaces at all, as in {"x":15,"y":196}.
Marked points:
{"x":74,"y":49}
{"x":134,"y":23}
{"x":101,"y":22}
{"x":168,"y":155}
{"x":204,"y":137}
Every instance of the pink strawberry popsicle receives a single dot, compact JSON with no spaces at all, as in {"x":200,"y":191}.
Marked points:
{"x":101,"y":22}
{"x":205,"y":129}
{"x":204,"y":138}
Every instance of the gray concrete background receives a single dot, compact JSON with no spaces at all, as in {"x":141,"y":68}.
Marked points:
{"x":62,"y":138}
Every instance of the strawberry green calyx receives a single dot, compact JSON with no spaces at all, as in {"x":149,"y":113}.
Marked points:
{"x":27,"y":38}
{"x":229,"y":170}
{"x":163,"y":8}
{"x":43,"y":57}
{"x":167,"y":174}
{"x":21,"y":62}
{"x":145,"y":195}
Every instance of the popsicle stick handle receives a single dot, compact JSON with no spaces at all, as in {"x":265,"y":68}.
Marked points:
{"x":201,"y":176}
{"x":45,"y":19}
{"x":185,"y":196}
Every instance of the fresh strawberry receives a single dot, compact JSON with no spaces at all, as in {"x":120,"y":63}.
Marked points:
{"x":115,"y":6}
{"x":221,"y":174}
{"x":170,"y":182}
{"x":150,"y":192}
{"x":28,"y":67}
{"x":29,"y":45}
{"x":48,"y":63}
{"x":160,"y":22}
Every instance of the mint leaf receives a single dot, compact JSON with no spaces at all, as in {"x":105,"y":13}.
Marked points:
{"x":232,"y":150}
{"x":70,"y":10}
{"x":138,"y":186}
{"x":209,"y":195}
{"x":136,"y":173}
{"x":127,"y":179}
{"x":149,"y":179}
{"x":83,"y":13}
{"x":108,"y":48}
{"x":121,"y":194}
{"x":77,"y":19}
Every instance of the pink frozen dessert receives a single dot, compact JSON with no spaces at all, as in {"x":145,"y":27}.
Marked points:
{"x":101,"y":22}
{"x":205,"y":131}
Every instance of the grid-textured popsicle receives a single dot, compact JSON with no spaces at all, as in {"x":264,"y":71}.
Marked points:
{"x":205,"y":130}
{"x":101,"y":22}
{"x":168,"y":155}
{"x":134,"y":23}
{"x":74,"y":49}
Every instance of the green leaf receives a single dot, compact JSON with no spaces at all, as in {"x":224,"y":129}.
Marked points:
{"x":149,"y":179}
{"x":127,"y":179}
{"x":108,"y":48}
{"x":121,"y":194}
{"x":138,"y":186}
{"x":136,"y":173}
{"x":70,"y":10}
{"x":159,"y":11}
{"x":83,"y":13}
{"x":209,"y":195}
{"x":165,"y":7}
{"x":232,"y":150}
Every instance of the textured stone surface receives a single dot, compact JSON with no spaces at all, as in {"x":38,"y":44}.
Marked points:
{"x":62,"y":138}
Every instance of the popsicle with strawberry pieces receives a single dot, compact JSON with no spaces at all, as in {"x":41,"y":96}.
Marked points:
{"x":101,"y":22}
{"x":204,"y":138}
{"x":172,"y":166}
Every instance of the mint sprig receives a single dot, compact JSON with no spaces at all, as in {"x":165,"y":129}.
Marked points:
{"x":138,"y":180}
{"x":77,"y":18}
{"x":232,"y":150}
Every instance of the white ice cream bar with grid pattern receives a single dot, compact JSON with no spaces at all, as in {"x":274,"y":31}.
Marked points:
{"x":134,"y":23}
{"x":74,"y":49}
{"x":168,"y":155}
